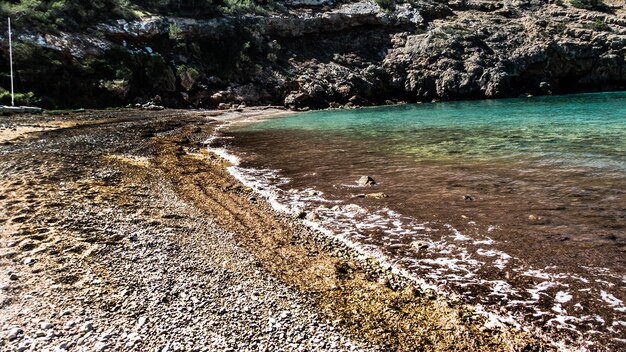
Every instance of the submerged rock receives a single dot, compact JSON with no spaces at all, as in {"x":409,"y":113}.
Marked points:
{"x":298,"y":214}
{"x":420,"y":245}
{"x":366,"y":181}
{"x":353,"y":208}
{"x":311,"y":216}
{"x":379,"y":195}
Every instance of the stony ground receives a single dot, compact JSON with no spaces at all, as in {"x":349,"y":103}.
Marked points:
{"x":119,"y":232}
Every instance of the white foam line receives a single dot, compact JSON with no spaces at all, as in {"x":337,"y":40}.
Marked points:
{"x":458,"y":236}
{"x":563,"y":297}
{"x":613,"y":301}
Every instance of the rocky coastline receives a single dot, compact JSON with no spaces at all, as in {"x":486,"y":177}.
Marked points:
{"x":320,"y":54}
{"x":119,"y":231}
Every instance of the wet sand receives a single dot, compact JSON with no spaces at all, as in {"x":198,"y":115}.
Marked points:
{"x":119,"y":231}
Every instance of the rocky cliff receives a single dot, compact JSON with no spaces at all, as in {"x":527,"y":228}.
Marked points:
{"x":321,"y":53}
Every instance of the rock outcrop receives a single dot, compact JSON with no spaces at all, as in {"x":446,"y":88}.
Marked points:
{"x":320,"y":53}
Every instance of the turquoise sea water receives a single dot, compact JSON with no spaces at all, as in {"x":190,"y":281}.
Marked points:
{"x":518,"y":205}
{"x":585,"y":129}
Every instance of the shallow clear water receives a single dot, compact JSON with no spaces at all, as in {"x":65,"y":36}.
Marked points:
{"x":518,"y":205}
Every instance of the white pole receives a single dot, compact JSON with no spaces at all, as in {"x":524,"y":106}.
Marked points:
{"x":11,"y":64}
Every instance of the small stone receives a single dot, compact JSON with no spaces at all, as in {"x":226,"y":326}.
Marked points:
{"x":106,"y":335}
{"x":132,"y":339}
{"x":29,"y":261}
{"x":62,"y":346}
{"x":285,"y":314}
{"x":14,"y":333}
{"x":88,"y":326}
{"x":101,"y":346}
{"x":83,"y":339}
{"x":141,"y":321}
{"x":311,"y":216}
{"x":23,"y":346}
{"x":45,"y":325}
{"x":468,"y":197}
{"x":69,"y":325}
{"x":366,"y":181}
{"x":13,"y":277}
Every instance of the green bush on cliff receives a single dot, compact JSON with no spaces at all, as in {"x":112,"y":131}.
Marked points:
{"x":191,"y":8}
{"x":20,"y":98}
{"x":51,"y":15}
{"x":188,"y":76}
{"x":597,"y":5}
{"x":247,"y":6}
{"x":73,"y":15}
{"x":598,"y":25}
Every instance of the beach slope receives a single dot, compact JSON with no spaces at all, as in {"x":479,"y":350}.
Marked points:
{"x":119,"y":231}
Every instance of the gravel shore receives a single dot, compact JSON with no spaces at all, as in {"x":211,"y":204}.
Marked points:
{"x":119,"y":232}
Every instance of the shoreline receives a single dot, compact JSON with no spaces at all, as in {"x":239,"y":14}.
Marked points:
{"x":164,"y":186}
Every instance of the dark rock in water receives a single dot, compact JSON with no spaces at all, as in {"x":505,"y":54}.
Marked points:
{"x":299,"y":214}
{"x":468,"y":197}
{"x":297,"y":101}
{"x":366,"y":181}
{"x":545,"y":87}
{"x":419,"y":245}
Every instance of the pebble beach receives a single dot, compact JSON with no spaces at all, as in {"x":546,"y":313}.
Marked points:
{"x":119,"y":231}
